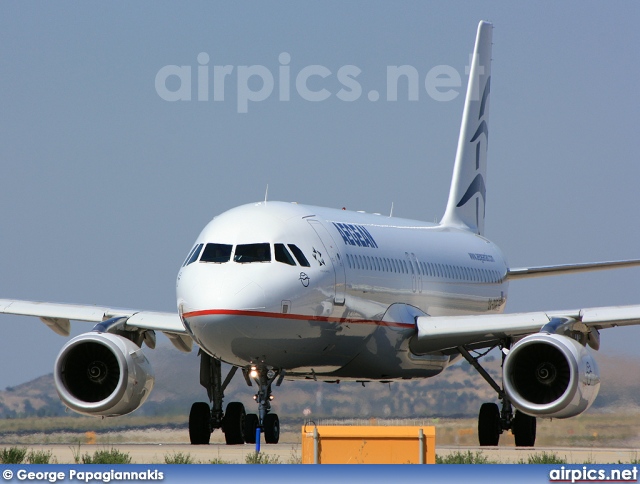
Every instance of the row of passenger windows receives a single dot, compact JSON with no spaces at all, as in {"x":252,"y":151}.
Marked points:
{"x":402,"y":266}
{"x":246,"y":254}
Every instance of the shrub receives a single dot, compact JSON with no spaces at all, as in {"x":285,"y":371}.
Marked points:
{"x":260,"y":458}
{"x":218,"y":460}
{"x":39,"y":457}
{"x":464,"y":458}
{"x":545,"y":458}
{"x":13,"y":455}
{"x":178,"y":458}
{"x":111,"y":456}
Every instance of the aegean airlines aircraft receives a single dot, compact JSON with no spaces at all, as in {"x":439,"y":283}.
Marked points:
{"x":288,"y":291}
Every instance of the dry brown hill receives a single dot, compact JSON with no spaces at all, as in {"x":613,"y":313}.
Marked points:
{"x":458,"y":391}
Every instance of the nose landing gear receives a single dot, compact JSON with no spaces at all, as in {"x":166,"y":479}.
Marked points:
{"x":265,"y":422}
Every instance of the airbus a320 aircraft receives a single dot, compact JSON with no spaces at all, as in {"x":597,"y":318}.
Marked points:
{"x":287,"y":291}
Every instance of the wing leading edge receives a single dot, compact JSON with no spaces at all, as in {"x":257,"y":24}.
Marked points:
{"x":447,"y":332}
{"x":58,"y":317}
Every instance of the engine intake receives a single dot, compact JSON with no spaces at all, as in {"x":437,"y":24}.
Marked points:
{"x":102,"y":374}
{"x":550,"y":375}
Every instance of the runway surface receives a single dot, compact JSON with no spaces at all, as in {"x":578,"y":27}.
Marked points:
{"x":291,"y":453}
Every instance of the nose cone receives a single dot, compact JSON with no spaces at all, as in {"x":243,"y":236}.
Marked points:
{"x":212,"y":302}
{"x":215,"y":288}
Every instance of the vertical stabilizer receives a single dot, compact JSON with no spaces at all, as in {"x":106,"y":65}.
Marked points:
{"x":467,"y":196}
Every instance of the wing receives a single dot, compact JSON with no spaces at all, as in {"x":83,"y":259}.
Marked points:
{"x":59,"y":316}
{"x":449,"y":332}
{"x":526,"y":272}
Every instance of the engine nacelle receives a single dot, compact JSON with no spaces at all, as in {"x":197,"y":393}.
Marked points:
{"x":102,"y":374}
{"x":549,"y":375}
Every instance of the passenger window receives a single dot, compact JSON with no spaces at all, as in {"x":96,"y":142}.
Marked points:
{"x":217,"y":253}
{"x":299,"y":255}
{"x":282,"y":255}
{"x":247,"y":253}
{"x":190,"y":258}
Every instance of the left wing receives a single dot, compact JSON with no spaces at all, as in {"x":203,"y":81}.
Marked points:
{"x":449,"y":332}
{"x":59,"y":316}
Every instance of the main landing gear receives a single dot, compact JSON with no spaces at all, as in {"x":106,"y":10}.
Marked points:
{"x":492,"y":421}
{"x":238,"y":426}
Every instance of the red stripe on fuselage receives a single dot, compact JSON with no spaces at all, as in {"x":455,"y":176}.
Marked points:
{"x":301,"y":317}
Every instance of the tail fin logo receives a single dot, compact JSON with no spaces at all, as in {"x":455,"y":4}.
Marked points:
{"x":478,"y":185}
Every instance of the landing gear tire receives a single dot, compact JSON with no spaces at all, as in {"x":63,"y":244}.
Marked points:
{"x":250,"y":426}
{"x":200,"y":424}
{"x":233,"y":423}
{"x":524,"y":429}
{"x":271,"y":428}
{"x":489,"y":424}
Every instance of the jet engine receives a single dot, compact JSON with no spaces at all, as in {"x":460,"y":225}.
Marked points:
{"x":550,"y":375}
{"x":102,"y":374}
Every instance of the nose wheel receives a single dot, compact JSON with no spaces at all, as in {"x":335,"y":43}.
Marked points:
{"x":266,"y":422}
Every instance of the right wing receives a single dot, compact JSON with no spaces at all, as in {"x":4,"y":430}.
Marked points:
{"x":444,"y":333}
{"x":58,"y":317}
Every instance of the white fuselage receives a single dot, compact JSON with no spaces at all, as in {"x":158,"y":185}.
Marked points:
{"x":349,"y":313}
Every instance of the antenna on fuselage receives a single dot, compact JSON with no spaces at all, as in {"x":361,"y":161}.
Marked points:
{"x":266,"y":193}
{"x":391,"y":214}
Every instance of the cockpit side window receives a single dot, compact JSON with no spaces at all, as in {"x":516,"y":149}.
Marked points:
{"x":247,"y":253}
{"x":217,"y":253}
{"x":282,"y":255}
{"x":302,"y":260}
{"x":193,"y":255}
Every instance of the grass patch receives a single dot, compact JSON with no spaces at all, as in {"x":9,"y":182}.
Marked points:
{"x":294,"y":458}
{"x":467,"y":457}
{"x":218,"y":460}
{"x":112,"y":456}
{"x":178,"y":458}
{"x":543,"y":458}
{"x":13,"y":455}
{"x":260,"y":458}
{"x":40,"y":457}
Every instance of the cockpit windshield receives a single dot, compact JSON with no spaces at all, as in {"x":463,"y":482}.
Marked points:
{"x":217,"y":253}
{"x":302,"y":260}
{"x":246,"y":253}
{"x":283,"y":255}
{"x":193,"y":255}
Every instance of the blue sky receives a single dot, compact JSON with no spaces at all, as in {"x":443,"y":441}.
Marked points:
{"x":106,"y":185}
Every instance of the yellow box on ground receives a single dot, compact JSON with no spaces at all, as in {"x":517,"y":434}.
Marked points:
{"x":344,"y":444}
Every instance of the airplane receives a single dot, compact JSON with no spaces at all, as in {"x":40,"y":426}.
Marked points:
{"x":289,"y":291}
